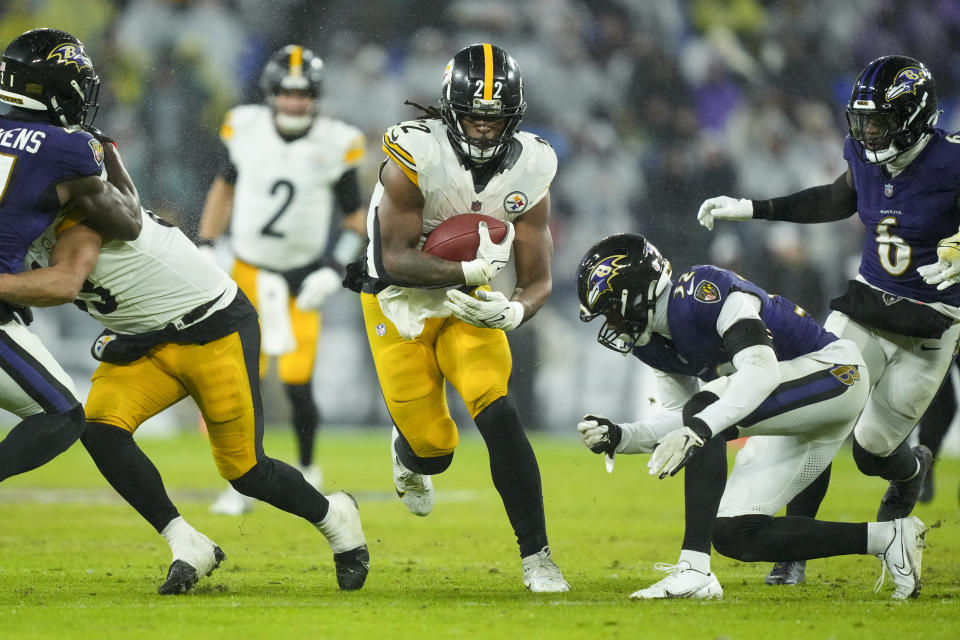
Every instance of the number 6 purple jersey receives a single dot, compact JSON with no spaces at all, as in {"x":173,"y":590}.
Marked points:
{"x":906,"y":215}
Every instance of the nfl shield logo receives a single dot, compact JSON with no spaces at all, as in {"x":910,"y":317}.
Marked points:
{"x":888,"y":190}
{"x":381,"y":329}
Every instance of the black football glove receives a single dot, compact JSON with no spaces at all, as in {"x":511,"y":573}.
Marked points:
{"x":600,"y":434}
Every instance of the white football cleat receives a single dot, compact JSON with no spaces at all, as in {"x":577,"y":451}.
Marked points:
{"x":342,"y":529}
{"x":682,"y":581}
{"x":414,"y":489}
{"x":542,"y":575}
{"x":313,"y":475}
{"x":231,"y":502}
{"x":194,"y":558}
{"x":903,"y":558}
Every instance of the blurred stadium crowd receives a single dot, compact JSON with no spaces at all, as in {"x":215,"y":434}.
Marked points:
{"x":651,"y":107}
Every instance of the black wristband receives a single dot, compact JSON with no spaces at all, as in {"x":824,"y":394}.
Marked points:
{"x":699,"y":427}
{"x":205,"y":242}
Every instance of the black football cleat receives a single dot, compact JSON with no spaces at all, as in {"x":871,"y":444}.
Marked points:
{"x":787,"y":573}
{"x":902,"y":495}
{"x":352,"y":568}
{"x":182,"y":575}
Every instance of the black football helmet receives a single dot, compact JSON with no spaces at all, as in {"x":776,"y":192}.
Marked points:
{"x":292,"y":68}
{"x":892,"y":106}
{"x":620,"y":278}
{"x":49,"y":70}
{"x":483,"y":81}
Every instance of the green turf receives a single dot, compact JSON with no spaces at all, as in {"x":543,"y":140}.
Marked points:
{"x":75,"y":562}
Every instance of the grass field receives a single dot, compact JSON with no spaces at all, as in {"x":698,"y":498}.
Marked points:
{"x":76,"y":562}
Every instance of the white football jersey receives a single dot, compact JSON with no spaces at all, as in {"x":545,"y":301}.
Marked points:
{"x":284,"y":198}
{"x":423,"y":151}
{"x":144,"y":284}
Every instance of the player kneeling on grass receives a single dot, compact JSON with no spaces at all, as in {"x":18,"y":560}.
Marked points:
{"x":177,"y":325}
{"x":732,"y":361}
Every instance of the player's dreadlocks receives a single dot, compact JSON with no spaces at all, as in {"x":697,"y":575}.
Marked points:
{"x":428,"y":112}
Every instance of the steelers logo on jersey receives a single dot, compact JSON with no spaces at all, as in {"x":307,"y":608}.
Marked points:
{"x":515,"y":202}
{"x":707,"y":292}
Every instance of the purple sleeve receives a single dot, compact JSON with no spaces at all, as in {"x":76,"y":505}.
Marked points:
{"x":78,"y":155}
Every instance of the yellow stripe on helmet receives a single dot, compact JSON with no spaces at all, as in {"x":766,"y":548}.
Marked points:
{"x":487,"y":71}
{"x":296,"y":61}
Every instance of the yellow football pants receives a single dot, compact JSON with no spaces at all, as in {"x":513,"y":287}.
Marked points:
{"x":214,"y":375}
{"x":476,"y":361}
{"x":295,"y":367}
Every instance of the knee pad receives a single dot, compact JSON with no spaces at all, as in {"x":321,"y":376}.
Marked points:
{"x":733,"y":537}
{"x":418,"y":464}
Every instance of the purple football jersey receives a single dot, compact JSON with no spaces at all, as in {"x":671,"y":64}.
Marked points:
{"x":695,"y":347}
{"x":906,"y":215}
{"x":34,"y":158}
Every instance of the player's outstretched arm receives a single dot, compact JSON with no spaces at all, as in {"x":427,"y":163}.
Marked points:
{"x":111,"y":206}
{"x":72,"y":259}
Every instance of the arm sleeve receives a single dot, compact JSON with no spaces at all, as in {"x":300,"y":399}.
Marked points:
{"x":642,"y":436}
{"x":347,"y":191}
{"x":757,"y":372}
{"x":757,"y":375}
{"x":225,"y":167}
{"x":825,"y":203}
{"x":675,"y":389}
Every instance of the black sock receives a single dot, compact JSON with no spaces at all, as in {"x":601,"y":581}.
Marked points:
{"x":899,"y":465}
{"x":279,"y":484}
{"x":515,"y":473}
{"x":807,"y":502}
{"x":130,"y":472}
{"x":758,"y":538}
{"x":306,"y":417}
{"x":704,"y":478}
{"x":38,"y":439}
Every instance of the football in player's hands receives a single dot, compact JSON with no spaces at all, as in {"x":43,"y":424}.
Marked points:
{"x":457,"y":239}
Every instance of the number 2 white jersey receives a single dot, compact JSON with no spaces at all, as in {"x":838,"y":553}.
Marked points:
{"x":283,"y":199}
{"x":144,"y":284}
{"x":424,"y":153}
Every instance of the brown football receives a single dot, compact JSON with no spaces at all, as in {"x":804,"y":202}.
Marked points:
{"x":457,"y":238}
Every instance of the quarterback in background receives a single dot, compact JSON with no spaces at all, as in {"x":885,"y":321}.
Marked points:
{"x":431,"y":320}
{"x":285,"y":173}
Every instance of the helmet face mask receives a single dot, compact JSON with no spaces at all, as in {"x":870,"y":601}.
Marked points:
{"x":892,"y":106}
{"x":621,"y":278}
{"x":481,"y":82}
{"x":292,"y":70}
{"x":48,"y":70}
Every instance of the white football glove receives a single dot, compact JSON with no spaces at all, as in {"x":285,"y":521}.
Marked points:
{"x":673,"y":451}
{"x":317,"y":287}
{"x":724,"y":208}
{"x":946,"y":271}
{"x":490,"y":309}
{"x":491,"y":257}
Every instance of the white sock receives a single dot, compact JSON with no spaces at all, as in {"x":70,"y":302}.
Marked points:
{"x":879,"y":536}
{"x":176,"y":531}
{"x":697,"y":560}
